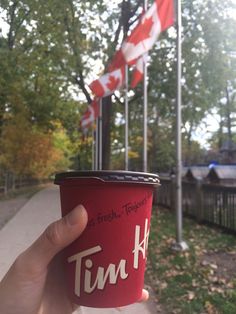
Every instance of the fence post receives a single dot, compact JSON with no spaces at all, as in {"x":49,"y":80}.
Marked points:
{"x":155,"y":196}
{"x":199,"y":210}
{"x":6,"y":183}
{"x":172,"y":193}
{"x":13,"y":182}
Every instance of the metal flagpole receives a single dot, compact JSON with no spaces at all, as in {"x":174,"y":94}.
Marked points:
{"x":96,"y":144}
{"x":180,"y":245}
{"x":126,"y":119}
{"x":145,"y":5}
{"x":93,"y":148}
{"x":100,"y":136}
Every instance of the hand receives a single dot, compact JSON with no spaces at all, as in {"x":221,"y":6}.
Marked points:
{"x":35,"y":283}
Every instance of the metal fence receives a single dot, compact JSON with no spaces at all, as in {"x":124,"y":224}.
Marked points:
{"x":205,"y":202}
{"x":9,"y":182}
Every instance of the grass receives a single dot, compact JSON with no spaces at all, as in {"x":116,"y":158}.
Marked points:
{"x":27,"y":191}
{"x":191,"y":282}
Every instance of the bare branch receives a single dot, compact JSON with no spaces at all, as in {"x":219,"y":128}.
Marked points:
{"x":80,"y":81}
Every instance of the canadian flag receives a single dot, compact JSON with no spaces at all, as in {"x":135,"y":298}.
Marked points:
{"x":90,"y":114}
{"x":137,"y":75}
{"x":156,"y":19}
{"x":108,"y":83}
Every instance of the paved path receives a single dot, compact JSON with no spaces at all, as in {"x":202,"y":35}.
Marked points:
{"x":8,"y":208}
{"x":25,"y":227}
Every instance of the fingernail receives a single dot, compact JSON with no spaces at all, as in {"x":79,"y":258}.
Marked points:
{"x":74,"y":217}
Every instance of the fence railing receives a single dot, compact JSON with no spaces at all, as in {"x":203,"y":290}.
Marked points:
{"x":9,"y":182}
{"x":205,"y":202}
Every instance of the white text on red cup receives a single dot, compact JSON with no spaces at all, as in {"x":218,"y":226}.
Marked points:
{"x":113,"y":272}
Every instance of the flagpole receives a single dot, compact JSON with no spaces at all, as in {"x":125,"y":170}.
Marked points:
{"x":180,"y":245}
{"x":126,"y":119}
{"x":96,"y":144}
{"x":93,"y":148}
{"x":145,"y":5}
{"x":100,"y":136}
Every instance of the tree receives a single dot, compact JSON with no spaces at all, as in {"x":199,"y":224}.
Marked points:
{"x":207,"y":35}
{"x":31,"y":152}
{"x":54,"y":49}
{"x":32,"y":88}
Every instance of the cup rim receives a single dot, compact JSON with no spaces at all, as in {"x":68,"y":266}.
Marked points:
{"x":116,"y":176}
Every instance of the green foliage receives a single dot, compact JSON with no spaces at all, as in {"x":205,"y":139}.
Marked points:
{"x":208,"y":37}
{"x":52,"y":50}
{"x":192,"y":153}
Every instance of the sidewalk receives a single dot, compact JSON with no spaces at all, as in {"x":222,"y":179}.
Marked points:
{"x":25,"y":227}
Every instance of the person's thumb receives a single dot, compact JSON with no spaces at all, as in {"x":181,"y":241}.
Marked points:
{"x":57,"y":236}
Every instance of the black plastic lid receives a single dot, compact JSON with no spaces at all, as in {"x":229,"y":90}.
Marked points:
{"x":110,"y":176}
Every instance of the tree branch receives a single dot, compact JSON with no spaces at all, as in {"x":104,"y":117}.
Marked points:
{"x":80,"y":81}
{"x":12,"y":16}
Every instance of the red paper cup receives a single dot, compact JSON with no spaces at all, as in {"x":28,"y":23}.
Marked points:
{"x":105,"y":266}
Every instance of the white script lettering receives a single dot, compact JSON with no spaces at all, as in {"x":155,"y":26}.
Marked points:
{"x":140,"y":246}
{"x":111,"y":274}
{"x":102,"y":276}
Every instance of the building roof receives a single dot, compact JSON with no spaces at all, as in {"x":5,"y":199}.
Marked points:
{"x":183,"y":171}
{"x":225,"y":172}
{"x":197,"y":172}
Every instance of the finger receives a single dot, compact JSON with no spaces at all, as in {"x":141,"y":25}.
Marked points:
{"x":145,"y":296}
{"x":57,"y":236}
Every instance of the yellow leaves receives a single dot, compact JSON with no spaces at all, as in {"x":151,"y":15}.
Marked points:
{"x":213,"y":266}
{"x":133,"y":154}
{"x":214,"y":279}
{"x":169,"y":240}
{"x":217,"y":289}
{"x":139,"y":140}
{"x":163,"y":285}
{"x":210,"y":309}
{"x":191,"y":295}
{"x":27,"y":150}
{"x":172,"y":273}
{"x":200,"y":280}
{"x":195,"y":284}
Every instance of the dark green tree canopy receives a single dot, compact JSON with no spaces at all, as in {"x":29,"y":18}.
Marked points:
{"x":52,"y":50}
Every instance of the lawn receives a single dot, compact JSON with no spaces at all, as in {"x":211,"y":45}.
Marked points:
{"x":200,"y":280}
{"x":27,"y":191}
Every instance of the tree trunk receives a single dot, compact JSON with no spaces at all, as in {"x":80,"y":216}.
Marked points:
{"x":106,"y":131}
{"x":228,"y":117}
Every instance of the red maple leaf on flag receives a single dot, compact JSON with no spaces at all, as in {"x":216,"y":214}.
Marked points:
{"x":141,"y":32}
{"x":113,"y":83}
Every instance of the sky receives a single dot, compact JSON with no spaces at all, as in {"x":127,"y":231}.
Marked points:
{"x":3,"y":26}
{"x":208,"y":126}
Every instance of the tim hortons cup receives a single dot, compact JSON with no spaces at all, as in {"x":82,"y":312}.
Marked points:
{"x":105,"y":266}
